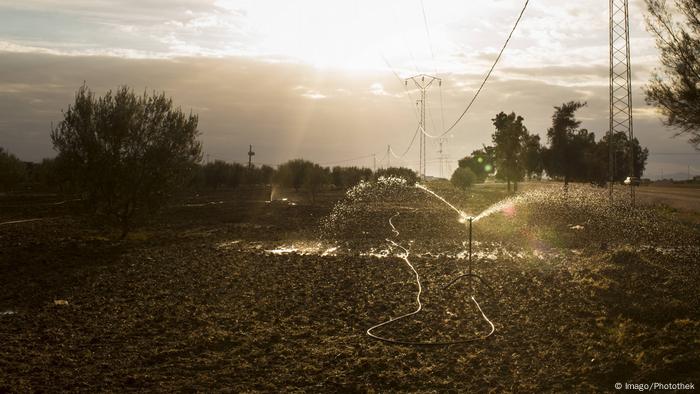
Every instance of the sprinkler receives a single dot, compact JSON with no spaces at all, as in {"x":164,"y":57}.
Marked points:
{"x":470,"y":273}
{"x":471,"y":288}
{"x":405,"y":257}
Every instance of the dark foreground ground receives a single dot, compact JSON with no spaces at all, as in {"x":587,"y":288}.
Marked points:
{"x":228,"y":292}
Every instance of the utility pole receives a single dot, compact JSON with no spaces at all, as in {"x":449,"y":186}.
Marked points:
{"x":443,"y":157}
{"x":620,"y":89}
{"x":374,"y":162}
{"x":250,"y":157}
{"x":440,"y":152}
{"x":388,"y":156}
{"x":422,"y":82}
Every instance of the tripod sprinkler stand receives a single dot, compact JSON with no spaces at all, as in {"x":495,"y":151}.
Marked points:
{"x":470,"y":273}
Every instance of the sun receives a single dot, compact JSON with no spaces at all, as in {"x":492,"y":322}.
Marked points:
{"x":357,"y":35}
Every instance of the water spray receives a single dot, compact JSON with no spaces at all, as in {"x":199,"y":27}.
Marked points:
{"x":470,"y":275}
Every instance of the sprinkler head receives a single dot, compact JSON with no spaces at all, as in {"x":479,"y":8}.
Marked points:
{"x":464,"y":218}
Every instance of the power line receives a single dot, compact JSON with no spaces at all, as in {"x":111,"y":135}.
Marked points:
{"x":490,"y":70}
{"x":405,"y":88}
{"x":403,"y":38}
{"x":442,"y":108}
{"x":409,"y":146}
{"x":427,"y":32}
{"x":423,"y":82}
{"x":429,"y":135}
{"x":432,"y":55}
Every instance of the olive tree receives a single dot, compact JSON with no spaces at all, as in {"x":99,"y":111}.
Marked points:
{"x":126,"y":153}
{"x":463,"y":177}
{"x":300,"y":173}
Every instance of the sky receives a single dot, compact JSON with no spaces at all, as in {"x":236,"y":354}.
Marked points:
{"x":323,"y":80}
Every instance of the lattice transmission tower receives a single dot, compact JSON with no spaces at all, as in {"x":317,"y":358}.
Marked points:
{"x":620,"y":89}
{"x":422,"y":82}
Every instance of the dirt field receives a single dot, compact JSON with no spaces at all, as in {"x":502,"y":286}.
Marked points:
{"x":685,"y":198}
{"x":228,"y":292}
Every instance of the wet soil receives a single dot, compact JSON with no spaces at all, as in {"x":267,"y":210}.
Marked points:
{"x":195,"y":301}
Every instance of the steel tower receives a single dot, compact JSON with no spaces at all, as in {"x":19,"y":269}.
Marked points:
{"x":422,"y":82}
{"x":620,"y":88}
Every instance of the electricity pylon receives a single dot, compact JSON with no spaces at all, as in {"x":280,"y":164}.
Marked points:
{"x":443,"y":157}
{"x":422,"y":82}
{"x":620,"y":88}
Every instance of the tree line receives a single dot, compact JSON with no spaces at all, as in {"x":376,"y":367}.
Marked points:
{"x":572,"y":153}
{"x":53,"y":175}
{"x":126,"y":154}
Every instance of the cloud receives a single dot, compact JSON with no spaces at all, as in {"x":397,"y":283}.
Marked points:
{"x":239,"y":64}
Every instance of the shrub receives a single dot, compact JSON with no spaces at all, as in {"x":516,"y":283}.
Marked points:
{"x":463,"y":177}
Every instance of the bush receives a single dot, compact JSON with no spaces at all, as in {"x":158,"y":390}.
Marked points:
{"x":463,"y":177}
{"x":126,"y":153}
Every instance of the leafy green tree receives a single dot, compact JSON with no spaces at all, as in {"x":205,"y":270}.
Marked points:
{"x":292,"y":173}
{"x":222,"y":174}
{"x":582,"y":146}
{"x":561,"y":159}
{"x":315,"y":177}
{"x":258,"y":175}
{"x":51,"y":175}
{"x":480,"y":162}
{"x":675,"y":88}
{"x":346,"y":177}
{"x":532,"y":156}
{"x":508,"y":143}
{"x":300,"y":173}
{"x":463,"y":177}
{"x":12,"y":171}
{"x":621,"y":158}
{"x":126,"y":153}
{"x":574,"y":155}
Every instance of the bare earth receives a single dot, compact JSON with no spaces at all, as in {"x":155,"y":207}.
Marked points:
{"x":676,"y":197}
{"x":226,"y":292}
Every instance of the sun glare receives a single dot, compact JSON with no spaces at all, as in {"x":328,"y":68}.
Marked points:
{"x":357,"y":35}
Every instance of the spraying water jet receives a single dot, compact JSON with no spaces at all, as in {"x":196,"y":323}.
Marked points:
{"x":463,"y":218}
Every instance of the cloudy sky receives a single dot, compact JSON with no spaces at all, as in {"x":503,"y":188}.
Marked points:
{"x":320,"y":79}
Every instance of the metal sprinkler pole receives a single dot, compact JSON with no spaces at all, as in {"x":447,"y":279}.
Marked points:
{"x":471,"y":289}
